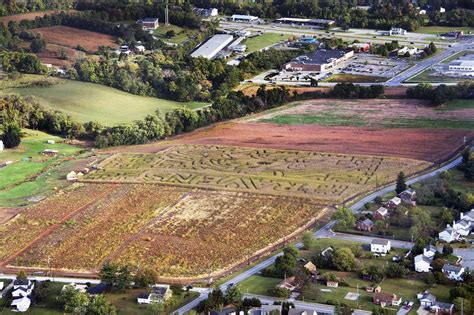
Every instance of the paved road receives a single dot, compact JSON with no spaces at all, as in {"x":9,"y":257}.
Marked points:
{"x":320,"y":308}
{"x":322,"y":233}
{"x":426,"y":63}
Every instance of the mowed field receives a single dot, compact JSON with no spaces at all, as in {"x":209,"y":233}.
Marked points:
{"x":93,"y":102}
{"x":400,"y":128}
{"x":72,"y":37}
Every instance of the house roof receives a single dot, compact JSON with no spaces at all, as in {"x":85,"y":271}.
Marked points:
{"x":143,"y":296}
{"x":383,"y":211}
{"x":150,"y":20}
{"x":367,"y":222}
{"x":97,"y":289}
{"x":395,"y":200}
{"x":160,"y":289}
{"x":421,"y":258}
{"x":384,"y":296}
{"x":21,"y":301}
{"x":444,"y":306}
{"x":377,"y":241}
{"x":431,"y":248}
{"x":21,"y":282}
{"x":452,"y":268}
{"x":428,"y":296}
{"x":469,"y":214}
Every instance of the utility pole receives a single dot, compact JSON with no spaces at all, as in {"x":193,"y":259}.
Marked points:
{"x":167,"y":21}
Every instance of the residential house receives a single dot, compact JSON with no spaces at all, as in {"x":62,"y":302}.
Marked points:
{"x":406,"y":50}
{"x":288,"y":283}
{"x":408,"y":196}
{"x":442,"y":308}
{"x":380,"y":246}
{"x":469,"y":215}
{"x":22,"y":288}
{"x":360,"y":47}
{"x":386,"y":299}
{"x":160,"y":293}
{"x":422,"y":263}
{"x":376,"y":289}
{"x":2,"y":146}
{"x":205,"y":13}
{"x":311,"y":268}
{"x":2,"y":284}
{"x":98,"y":289}
{"x":448,"y":235}
{"x":393,"y":203}
{"x":328,"y":252}
{"x":453,"y":272}
{"x":302,"y":311}
{"x":463,"y":227}
{"x":429,"y":251}
{"x":332,"y":284}
{"x":266,"y":310}
{"x":365,"y":225}
{"x":426,"y":299}
{"x":21,"y":305}
{"x":78,"y":287}
{"x":381,"y":214}
{"x":149,"y":24}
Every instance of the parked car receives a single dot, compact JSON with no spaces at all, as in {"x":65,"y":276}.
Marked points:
{"x":408,"y":305}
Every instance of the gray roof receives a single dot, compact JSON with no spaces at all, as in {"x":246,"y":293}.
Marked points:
{"x":320,"y":56}
{"x":368,"y":222}
{"x":445,"y":306}
{"x":428,"y":296}
{"x":377,"y":241}
{"x":431,"y":248}
{"x":150,"y":20}
{"x":452,"y":268}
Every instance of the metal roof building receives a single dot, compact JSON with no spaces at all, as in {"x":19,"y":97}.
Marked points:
{"x":213,"y":46}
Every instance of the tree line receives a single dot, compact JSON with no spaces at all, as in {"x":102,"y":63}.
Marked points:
{"x":442,"y":93}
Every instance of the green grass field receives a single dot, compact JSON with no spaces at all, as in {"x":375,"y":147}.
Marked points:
{"x":182,"y":34}
{"x":442,"y":29}
{"x":262,"y":41}
{"x":258,"y":285}
{"x":32,"y":173}
{"x":355,"y":78}
{"x":93,"y":102}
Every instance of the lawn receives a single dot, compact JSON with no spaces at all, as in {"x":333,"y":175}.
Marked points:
{"x":443,"y":29}
{"x":263,"y":40}
{"x":355,"y":78}
{"x":258,"y":285}
{"x":16,"y":179}
{"x":181,"y":34}
{"x":93,"y":102}
{"x":458,"y":104}
{"x":126,"y":303}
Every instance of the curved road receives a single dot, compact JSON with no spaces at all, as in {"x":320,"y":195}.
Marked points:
{"x":325,"y":231}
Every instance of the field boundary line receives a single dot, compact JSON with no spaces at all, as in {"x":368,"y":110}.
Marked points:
{"x":53,"y":227}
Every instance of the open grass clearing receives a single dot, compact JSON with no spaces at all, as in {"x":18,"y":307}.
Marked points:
{"x":443,"y":29}
{"x":355,"y":78}
{"x":258,"y":285}
{"x":93,"y":102}
{"x":262,"y":41}
{"x":181,"y":34}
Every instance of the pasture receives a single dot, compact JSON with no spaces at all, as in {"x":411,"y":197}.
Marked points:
{"x":262,"y":41}
{"x":72,"y":37}
{"x":93,"y":102}
{"x":181,"y":34}
{"x":31,"y":15}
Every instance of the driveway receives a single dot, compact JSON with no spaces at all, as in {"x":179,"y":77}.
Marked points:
{"x":467,"y":255}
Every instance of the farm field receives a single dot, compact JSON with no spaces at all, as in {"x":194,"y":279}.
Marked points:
{"x":93,"y":102}
{"x":175,"y":230}
{"x":30,"y":15}
{"x":332,"y":178}
{"x":365,"y":127}
{"x":31,"y":173}
{"x":344,"y":77}
{"x":72,"y":37}
{"x":443,"y":29}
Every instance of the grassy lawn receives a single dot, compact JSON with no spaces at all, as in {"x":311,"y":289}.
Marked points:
{"x":182,"y":34}
{"x":93,"y":102}
{"x":458,"y":104}
{"x":355,"y":78}
{"x":15,"y":183}
{"x":442,"y":29}
{"x":258,"y":285}
{"x":262,"y":41}
{"x":126,"y":303}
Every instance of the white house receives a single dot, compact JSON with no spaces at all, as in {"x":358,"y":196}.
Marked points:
{"x":1,"y":145}
{"x":426,"y":299}
{"x":448,"y":235}
{"x":21,"y":304}
{"x":422,"y":263}
{"x":469,"y":216}
{"x":140,"y":48}
{"x":160,"y":293}
{"x":266,"y":310}
{"x":429,"y":251}
{"x":453,"y":272}
{"x":25,"y":284}
{"x":380,"y":246}
{"x":463,"y":227}
{"x":2,"y":284}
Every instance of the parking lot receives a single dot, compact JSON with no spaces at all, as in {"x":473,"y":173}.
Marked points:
{"x":367,"y":64}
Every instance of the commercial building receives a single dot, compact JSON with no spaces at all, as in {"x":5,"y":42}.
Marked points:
{"x":395,"y":31}
{"x":319,"y":60}
{"x":243,"y":18}
{"x":213,"y":46}
{"x":463,"y":67}
{"x":322,"y":23}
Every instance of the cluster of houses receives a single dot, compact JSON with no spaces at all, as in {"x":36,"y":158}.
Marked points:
{"x":428,"y":301}
{"x":423,"y":263}
{"x":265,"y":310}
{"x":73,"y":176}
{"x":458,"y":229}
{"x":383,"y":213}
{"x":139,"y":48}
{"x":21,"y":294}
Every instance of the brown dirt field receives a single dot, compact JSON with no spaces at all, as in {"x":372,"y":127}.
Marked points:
{"x":30,"y":16}
{"x":51,"y":55}
{"x":8,"y":213}
{"x":433,"y":145}
{"x":71,"y":37}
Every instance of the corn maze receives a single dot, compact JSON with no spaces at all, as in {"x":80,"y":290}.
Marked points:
{"x":322,"y":176}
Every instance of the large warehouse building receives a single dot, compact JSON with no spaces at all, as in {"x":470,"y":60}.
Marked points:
{"x":319,"y":60}
{"x":213,"y":46}
{"x":321,"y":23}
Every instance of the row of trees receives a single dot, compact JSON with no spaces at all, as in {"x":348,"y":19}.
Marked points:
{"x":442,"y":93}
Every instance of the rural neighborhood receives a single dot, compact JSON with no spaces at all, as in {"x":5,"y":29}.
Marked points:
{"x":245,"y":157}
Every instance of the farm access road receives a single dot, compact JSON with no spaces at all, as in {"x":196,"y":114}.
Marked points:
{"x":324,"y":232}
